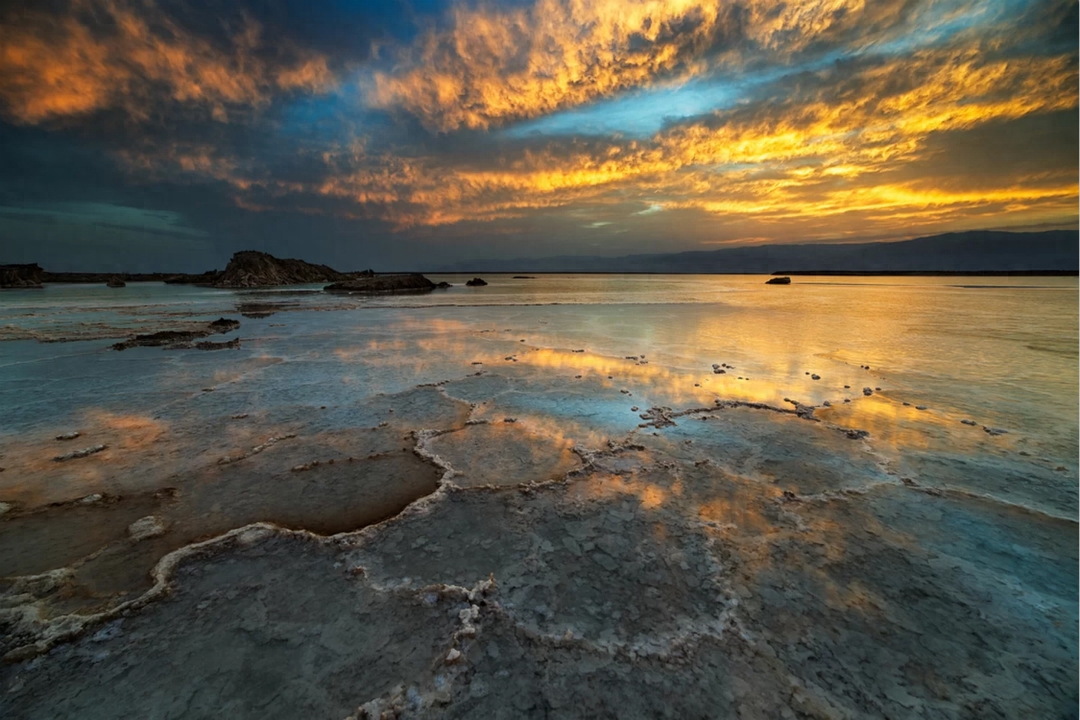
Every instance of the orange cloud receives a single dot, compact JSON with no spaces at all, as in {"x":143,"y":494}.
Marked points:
{"x":819,"y":157}
{"x":495,"y":65}
{"x":823,"y":157}
{"x":58,"y":66}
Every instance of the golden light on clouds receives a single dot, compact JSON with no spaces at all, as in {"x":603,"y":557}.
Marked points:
{"x":836,"y":147}
{"x":53,"y":67}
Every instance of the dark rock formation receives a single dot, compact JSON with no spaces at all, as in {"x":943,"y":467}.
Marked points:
{"x":778,"y":281}
{"x":21,"y":276}
{"x":206,"y":278}
{"x":251,"y":268}
{"x":115,"y":282}
{"x":376,"y":284}
{"x":233,"y":344}
{"x":177,"y":339}
{"x":443,"y":285}
{"x":476,"y":282}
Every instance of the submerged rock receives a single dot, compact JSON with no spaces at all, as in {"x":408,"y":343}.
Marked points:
{"x":233,"y":344}
{"x":476,"y":282}
{"x":146,"y":527}
{"x":376,"y":284}
{"x":74,"y":454}
{"x":175,"y":339}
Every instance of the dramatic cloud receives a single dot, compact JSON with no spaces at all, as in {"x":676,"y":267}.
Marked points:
{"x":103,"y":54}
{"x":616,"y":126}
{"x":494,"y":65}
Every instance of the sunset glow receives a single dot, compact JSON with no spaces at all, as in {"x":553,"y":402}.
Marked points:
{"x":475,"y":129}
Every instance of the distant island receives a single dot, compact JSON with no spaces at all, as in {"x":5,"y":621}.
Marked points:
{"x":983,"y":252}
{"x":246,"y":270}
{"x":966,"y":253}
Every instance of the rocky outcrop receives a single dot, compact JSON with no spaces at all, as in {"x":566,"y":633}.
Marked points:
{"x":778,"y":281}
{"x":206,"y":278}
{"x":476,"y":282}
{"x":176,"y":339}
{"x":21,"y":276}
{"x":250,"y":268}
{"x":376,"y":284}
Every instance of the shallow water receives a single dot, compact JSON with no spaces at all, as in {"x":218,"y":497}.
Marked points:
{"x":643,"y":517}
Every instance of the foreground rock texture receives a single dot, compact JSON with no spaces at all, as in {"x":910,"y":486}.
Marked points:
{"x":21,"y":276}
{"x":406,"y":282}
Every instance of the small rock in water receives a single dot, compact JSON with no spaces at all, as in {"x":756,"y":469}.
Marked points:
{"x":91,"y":499}
{"x":907,"y":404}
{"x":634,"y":408}
{"x":969,"y":422}
{"x":815,"y":377}
{"x":856,"y":434}
{"x":994,"y":431}
{"x":69,"y":436}
{"x":920,"y":407}
{"x":453,"y":656}
{"x":239,"y":416}
{"x":867,"y":391}
{"x":79,"y":453}
{"x":826,"y":403}
{"x":146,"y":527}
{"x":847,"y":387}
{"x":509,"y":420}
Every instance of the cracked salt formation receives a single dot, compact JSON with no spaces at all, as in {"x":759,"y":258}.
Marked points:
{"x":609,"y":571}
{"x":103,"y":565}
{"x":730,"y":559}
{"x":772,"y":447}
{"x":276,"y":628}
{"x":504,"y":453}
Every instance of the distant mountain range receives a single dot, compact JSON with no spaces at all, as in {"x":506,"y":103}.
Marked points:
{"x":979,"y":251}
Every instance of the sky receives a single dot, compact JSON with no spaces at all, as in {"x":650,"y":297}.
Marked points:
{"x":141,"y":135}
